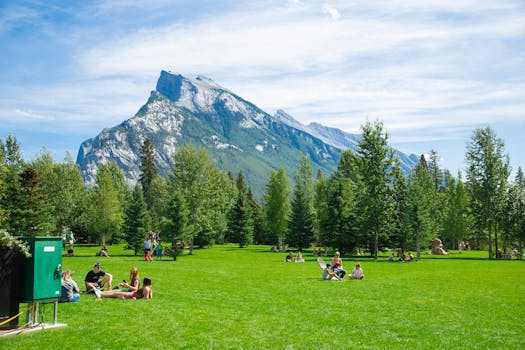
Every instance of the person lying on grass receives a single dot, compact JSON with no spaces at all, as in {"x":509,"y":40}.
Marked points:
{"x":146,"y":292}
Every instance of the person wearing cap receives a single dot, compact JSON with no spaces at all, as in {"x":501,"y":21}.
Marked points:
{"x":70,"y":291}
{"x":329,"y":274}
{"x":92,"y":279}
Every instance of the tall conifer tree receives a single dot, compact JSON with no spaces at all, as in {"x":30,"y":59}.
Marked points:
{"x":148,"y":170}
{"x":301,"y":223}
{"x":136,"y":221}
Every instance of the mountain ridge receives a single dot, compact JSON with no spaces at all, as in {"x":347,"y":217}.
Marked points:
{"x":236,"y":133}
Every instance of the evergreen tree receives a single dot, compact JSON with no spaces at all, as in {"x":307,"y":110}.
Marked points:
{"x":148,"y":170}
{"x":32,"y":215}
{"x":338,"y":222}
{"x":301,"y":223}
{"x":487,"y":173}
{"x":240,"y":221}
{"x":11,"y":168}
{"x":259,"y":236}
{"x":136,"y":221}
{"x":4,"y":215}
{"x":373,"y":150}
{"x":320,"y":199}
{"x":277,"y":205}
{"x":399,"y":226}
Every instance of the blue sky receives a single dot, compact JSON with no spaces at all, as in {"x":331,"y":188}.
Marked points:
{"x":432,"y":71}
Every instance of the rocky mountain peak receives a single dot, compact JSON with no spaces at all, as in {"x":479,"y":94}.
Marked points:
{"x":237,"y":134}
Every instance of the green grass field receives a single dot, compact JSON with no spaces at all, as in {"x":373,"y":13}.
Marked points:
{"x":230,"y":298}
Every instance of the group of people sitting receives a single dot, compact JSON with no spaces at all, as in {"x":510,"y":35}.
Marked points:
{"x":401,"y":257}
{"x":317,"y":252}
{"x":277,"y":248}
{"x":291,"y":258}
{"x":96,"y":279}
{"x":335,"y":270}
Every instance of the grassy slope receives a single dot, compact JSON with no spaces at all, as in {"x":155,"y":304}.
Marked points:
{"x":231,"y":298}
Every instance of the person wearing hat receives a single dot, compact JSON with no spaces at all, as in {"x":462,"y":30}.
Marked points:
{"x":92,"y":282}
{"x":329,"y":274}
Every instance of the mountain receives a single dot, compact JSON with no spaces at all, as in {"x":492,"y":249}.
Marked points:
{"x":341,"y":139}
{"x":237,"y":134}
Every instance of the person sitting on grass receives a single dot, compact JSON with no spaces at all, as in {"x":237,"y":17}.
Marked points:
{"x":92,"y":279}
{"x":337,"y":265}
{"x":299,"y":257}
{"x":134,"y":281}
{"x":289,"y":257}
{"x":70,"y":291}
{"x":409,"y":257}
{"x":357,"y":273}
{"x":146,"y":292}
{"x":329,"y":274}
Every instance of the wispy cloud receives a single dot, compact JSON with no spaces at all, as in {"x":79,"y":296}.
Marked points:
{"x":331,"y":11}
{"x":417,"y":65}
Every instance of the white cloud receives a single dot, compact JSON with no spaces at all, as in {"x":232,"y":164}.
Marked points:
{"x":331,"y":11}
{"x":416,"y":65}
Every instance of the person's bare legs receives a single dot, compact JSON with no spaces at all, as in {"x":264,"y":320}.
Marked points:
{"x":113,"y":294}
{"x":108,"y":279}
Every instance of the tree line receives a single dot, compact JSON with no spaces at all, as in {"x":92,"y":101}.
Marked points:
{"x":366,"y":203}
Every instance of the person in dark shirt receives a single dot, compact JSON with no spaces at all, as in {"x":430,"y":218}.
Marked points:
{"x":92,"y":279}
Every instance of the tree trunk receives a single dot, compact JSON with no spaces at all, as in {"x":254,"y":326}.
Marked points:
{"x":490,"y":240}
{"x":376,"y":243}
{"x":496,"y":242}
{"x":418,"y":247}
{"x":191,"y":246}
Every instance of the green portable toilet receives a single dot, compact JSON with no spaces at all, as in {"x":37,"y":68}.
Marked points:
{"x":43,"y":271}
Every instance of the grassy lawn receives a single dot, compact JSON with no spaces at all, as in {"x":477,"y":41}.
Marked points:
{"x":230,"y":298}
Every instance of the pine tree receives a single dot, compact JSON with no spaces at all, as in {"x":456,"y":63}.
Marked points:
{"x":338,"y":221}
{"x":240,"y":222}
{"x":301,"y":227}
{"x":375,"y":168}
{"x":148,"y":170}
{"x":399,"y":225}
{"x":32,"y":215}
{"x":259,"y":236}
{"x":136,"y":221}
{"x":11,"y":168}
